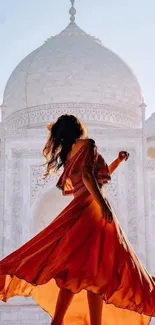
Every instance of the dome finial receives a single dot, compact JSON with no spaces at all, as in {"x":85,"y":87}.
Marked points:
{"x":72,"y":11}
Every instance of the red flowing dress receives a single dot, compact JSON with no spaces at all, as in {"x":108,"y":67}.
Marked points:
{"x":82,"y":252}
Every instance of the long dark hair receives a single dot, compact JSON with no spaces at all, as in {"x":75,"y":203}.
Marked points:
{"x":62,"y":135}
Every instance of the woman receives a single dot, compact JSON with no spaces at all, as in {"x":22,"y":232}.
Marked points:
{"x":84,"y":249}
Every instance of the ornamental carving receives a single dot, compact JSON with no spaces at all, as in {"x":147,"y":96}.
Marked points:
{"x":37,"y":181}
{"x":40,"y":115}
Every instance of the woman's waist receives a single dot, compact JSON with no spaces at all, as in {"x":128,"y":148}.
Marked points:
{"x":76,"y":188}
{"x":81,"y":190}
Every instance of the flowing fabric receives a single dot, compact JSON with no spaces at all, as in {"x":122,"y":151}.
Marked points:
{"x":81,"y":252}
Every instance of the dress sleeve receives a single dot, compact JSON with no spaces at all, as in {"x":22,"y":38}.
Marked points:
{"x":92,"y":161}
{"x":101,"y":171}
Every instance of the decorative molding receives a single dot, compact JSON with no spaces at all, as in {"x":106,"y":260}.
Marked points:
{"x":95,"y":130}
{"x":101,"y":113}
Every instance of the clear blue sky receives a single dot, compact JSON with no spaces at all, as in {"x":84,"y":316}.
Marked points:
{"x":125,"y":26}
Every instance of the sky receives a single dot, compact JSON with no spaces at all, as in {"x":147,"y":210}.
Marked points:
{"x":125,"y":26}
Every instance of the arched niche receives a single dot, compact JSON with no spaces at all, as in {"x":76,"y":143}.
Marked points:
{"x":46,"y":207}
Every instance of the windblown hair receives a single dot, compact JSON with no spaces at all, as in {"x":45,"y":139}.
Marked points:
{"x":62,"y":135}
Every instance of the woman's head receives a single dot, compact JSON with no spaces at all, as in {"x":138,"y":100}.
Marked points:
{"x":63,"y":134}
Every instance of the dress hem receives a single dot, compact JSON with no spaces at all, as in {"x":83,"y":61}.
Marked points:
{"x":77,"y":292}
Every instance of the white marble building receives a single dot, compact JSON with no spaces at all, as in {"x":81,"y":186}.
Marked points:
{"x":72,"y":73}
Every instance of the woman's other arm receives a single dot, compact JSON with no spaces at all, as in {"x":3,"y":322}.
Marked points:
{"x":122,"y":156}
{"x":92,"y":186}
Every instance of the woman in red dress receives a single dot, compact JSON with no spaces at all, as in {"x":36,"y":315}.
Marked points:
{"x":83,"y":258}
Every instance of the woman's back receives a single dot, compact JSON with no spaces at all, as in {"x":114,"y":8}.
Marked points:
{"x":76,"y":147}
{"x":83,"y":158}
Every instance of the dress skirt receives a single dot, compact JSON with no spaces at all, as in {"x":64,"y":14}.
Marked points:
{"x":81,"y":252}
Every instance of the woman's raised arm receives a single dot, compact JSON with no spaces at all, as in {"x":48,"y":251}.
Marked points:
{"x":122,"y":156}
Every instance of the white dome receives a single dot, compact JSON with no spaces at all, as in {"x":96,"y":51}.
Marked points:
{"x":72,"y":72}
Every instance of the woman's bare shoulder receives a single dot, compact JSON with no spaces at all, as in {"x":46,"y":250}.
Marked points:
{"x":86,"y":141}
{"x":78,"y":145}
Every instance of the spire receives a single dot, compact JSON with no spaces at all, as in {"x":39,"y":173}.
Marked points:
{"x":72,"y":11}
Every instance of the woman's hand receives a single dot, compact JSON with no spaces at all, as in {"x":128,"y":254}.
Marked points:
{"x":107,"y":212}
{"x":123,"y":156}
